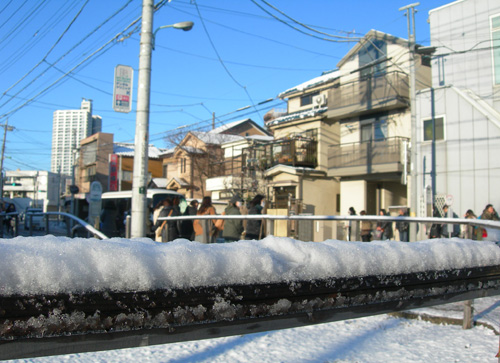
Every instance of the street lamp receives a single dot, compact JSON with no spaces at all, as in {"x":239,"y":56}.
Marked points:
{"x":183,"y":25}
{"x":139,"y":182}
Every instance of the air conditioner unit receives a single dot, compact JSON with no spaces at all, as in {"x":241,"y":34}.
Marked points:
{"x":319,"y":100}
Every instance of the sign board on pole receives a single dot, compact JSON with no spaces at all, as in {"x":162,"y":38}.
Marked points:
{"x":113,"y":172}
{"x":122,"y":89}
{"x":95,"y":199}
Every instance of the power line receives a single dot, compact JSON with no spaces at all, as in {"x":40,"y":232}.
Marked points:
{"x":301,"y":31}
{"x":261,"y":37}
{"x":306,"y":26}
{"x":219,"y":57}
{"x":47,"y":54}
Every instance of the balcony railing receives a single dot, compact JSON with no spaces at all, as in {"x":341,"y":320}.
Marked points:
{"x":299,"y":151}
{"x":378,"y":92}
{"x":361,"y":158}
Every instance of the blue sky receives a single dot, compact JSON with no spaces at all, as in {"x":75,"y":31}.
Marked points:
{"x":236,"y":55}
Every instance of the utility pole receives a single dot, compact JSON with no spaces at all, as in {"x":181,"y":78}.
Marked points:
{"x":6,"y":128}
{"x":410,"y":15}
{"x":139,"y":197}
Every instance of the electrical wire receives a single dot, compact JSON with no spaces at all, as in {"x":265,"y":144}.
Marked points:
{"x":306,"y":26}
{"x":260,"y":37}
{"x":47,"y":54}
{"x":219,"y":57}
{"x":44,"y":58}
{"x":349,"y":40}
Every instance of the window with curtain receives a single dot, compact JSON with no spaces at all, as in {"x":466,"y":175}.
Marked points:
{"x":374,"y":129}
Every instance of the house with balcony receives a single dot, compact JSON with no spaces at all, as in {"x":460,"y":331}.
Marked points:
{"x":200,"y":166}
{"x":370,"y":104}
{"x":458,"y":117}
{"x":296,"y":163}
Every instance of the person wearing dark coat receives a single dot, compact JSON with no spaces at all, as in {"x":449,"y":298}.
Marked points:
{"x":253,"y":230}
{"x":385,"y":227}
{"x":187,"y":230}
{"x":170,"y":229}
{"x":403,"y":227}
{"x":435,"y":231}
{"x":233,"y":228}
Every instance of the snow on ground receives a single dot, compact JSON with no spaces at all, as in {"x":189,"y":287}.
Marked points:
{"x":54,"y":264}
{"x":48,"y":264}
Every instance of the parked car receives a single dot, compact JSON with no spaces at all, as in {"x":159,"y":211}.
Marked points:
{"x":37,"y":220}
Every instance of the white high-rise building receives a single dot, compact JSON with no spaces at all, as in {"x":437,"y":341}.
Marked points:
{"x":69,"y":127}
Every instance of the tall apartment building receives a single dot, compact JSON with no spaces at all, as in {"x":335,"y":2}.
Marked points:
{"x":69,"y":127}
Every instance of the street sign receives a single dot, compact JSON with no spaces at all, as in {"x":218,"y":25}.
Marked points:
{"x":122,"y":89}
{"x":95,"y":199}
{"x":449,"y":200}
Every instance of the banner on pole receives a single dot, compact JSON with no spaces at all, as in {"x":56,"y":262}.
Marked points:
{"x":122,"y":88}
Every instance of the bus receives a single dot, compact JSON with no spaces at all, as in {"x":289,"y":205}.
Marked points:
{"x":122,"y":201}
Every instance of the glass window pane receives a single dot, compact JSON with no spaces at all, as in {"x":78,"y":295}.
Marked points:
{"x":439,"y":129}
{"x":380,"y":130}
{"x":366,"y":132}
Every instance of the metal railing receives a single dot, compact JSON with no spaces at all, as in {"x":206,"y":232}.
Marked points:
{"x":70,"y":227}
{"x":357,"y":219}
{"x":367,"y":154}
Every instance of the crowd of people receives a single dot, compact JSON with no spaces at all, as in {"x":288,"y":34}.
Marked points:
{"x":207,"y":230}
{"x":383,"y":230}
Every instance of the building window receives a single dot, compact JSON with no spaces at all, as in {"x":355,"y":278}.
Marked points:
{"x":374,"y":128}
{"x":308,"y":99}
{"x":495,"y":38}
{"x":165,"y":170}
{"x":183,"y":165}
{"x":439,"y":121}
{"x":372,"y":51}
{"x":90,"y":173}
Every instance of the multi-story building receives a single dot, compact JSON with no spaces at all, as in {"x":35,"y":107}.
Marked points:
{"x":343,"y":140}
{"x":68,"y":128}
{"x":111,"y":164}
{"x":371,"y":105}
{"x":31,"y":188}
{"x":459,"y":116}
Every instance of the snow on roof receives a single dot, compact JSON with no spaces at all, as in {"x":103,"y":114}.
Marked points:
{"x":128,"y":149}
{"x":215,"y":138}
{"x":191,"y":149}
{"x":49,"y":264}
{"x":159,"y":182}
{"x":297,"y":115}
{"x":324,"y":78}
{"x":228,"y":126}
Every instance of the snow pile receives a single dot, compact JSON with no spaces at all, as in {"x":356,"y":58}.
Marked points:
{"x":45,"y":265}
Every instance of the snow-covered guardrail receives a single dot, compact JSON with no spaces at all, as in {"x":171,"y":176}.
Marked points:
{"x":63,"y":295}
